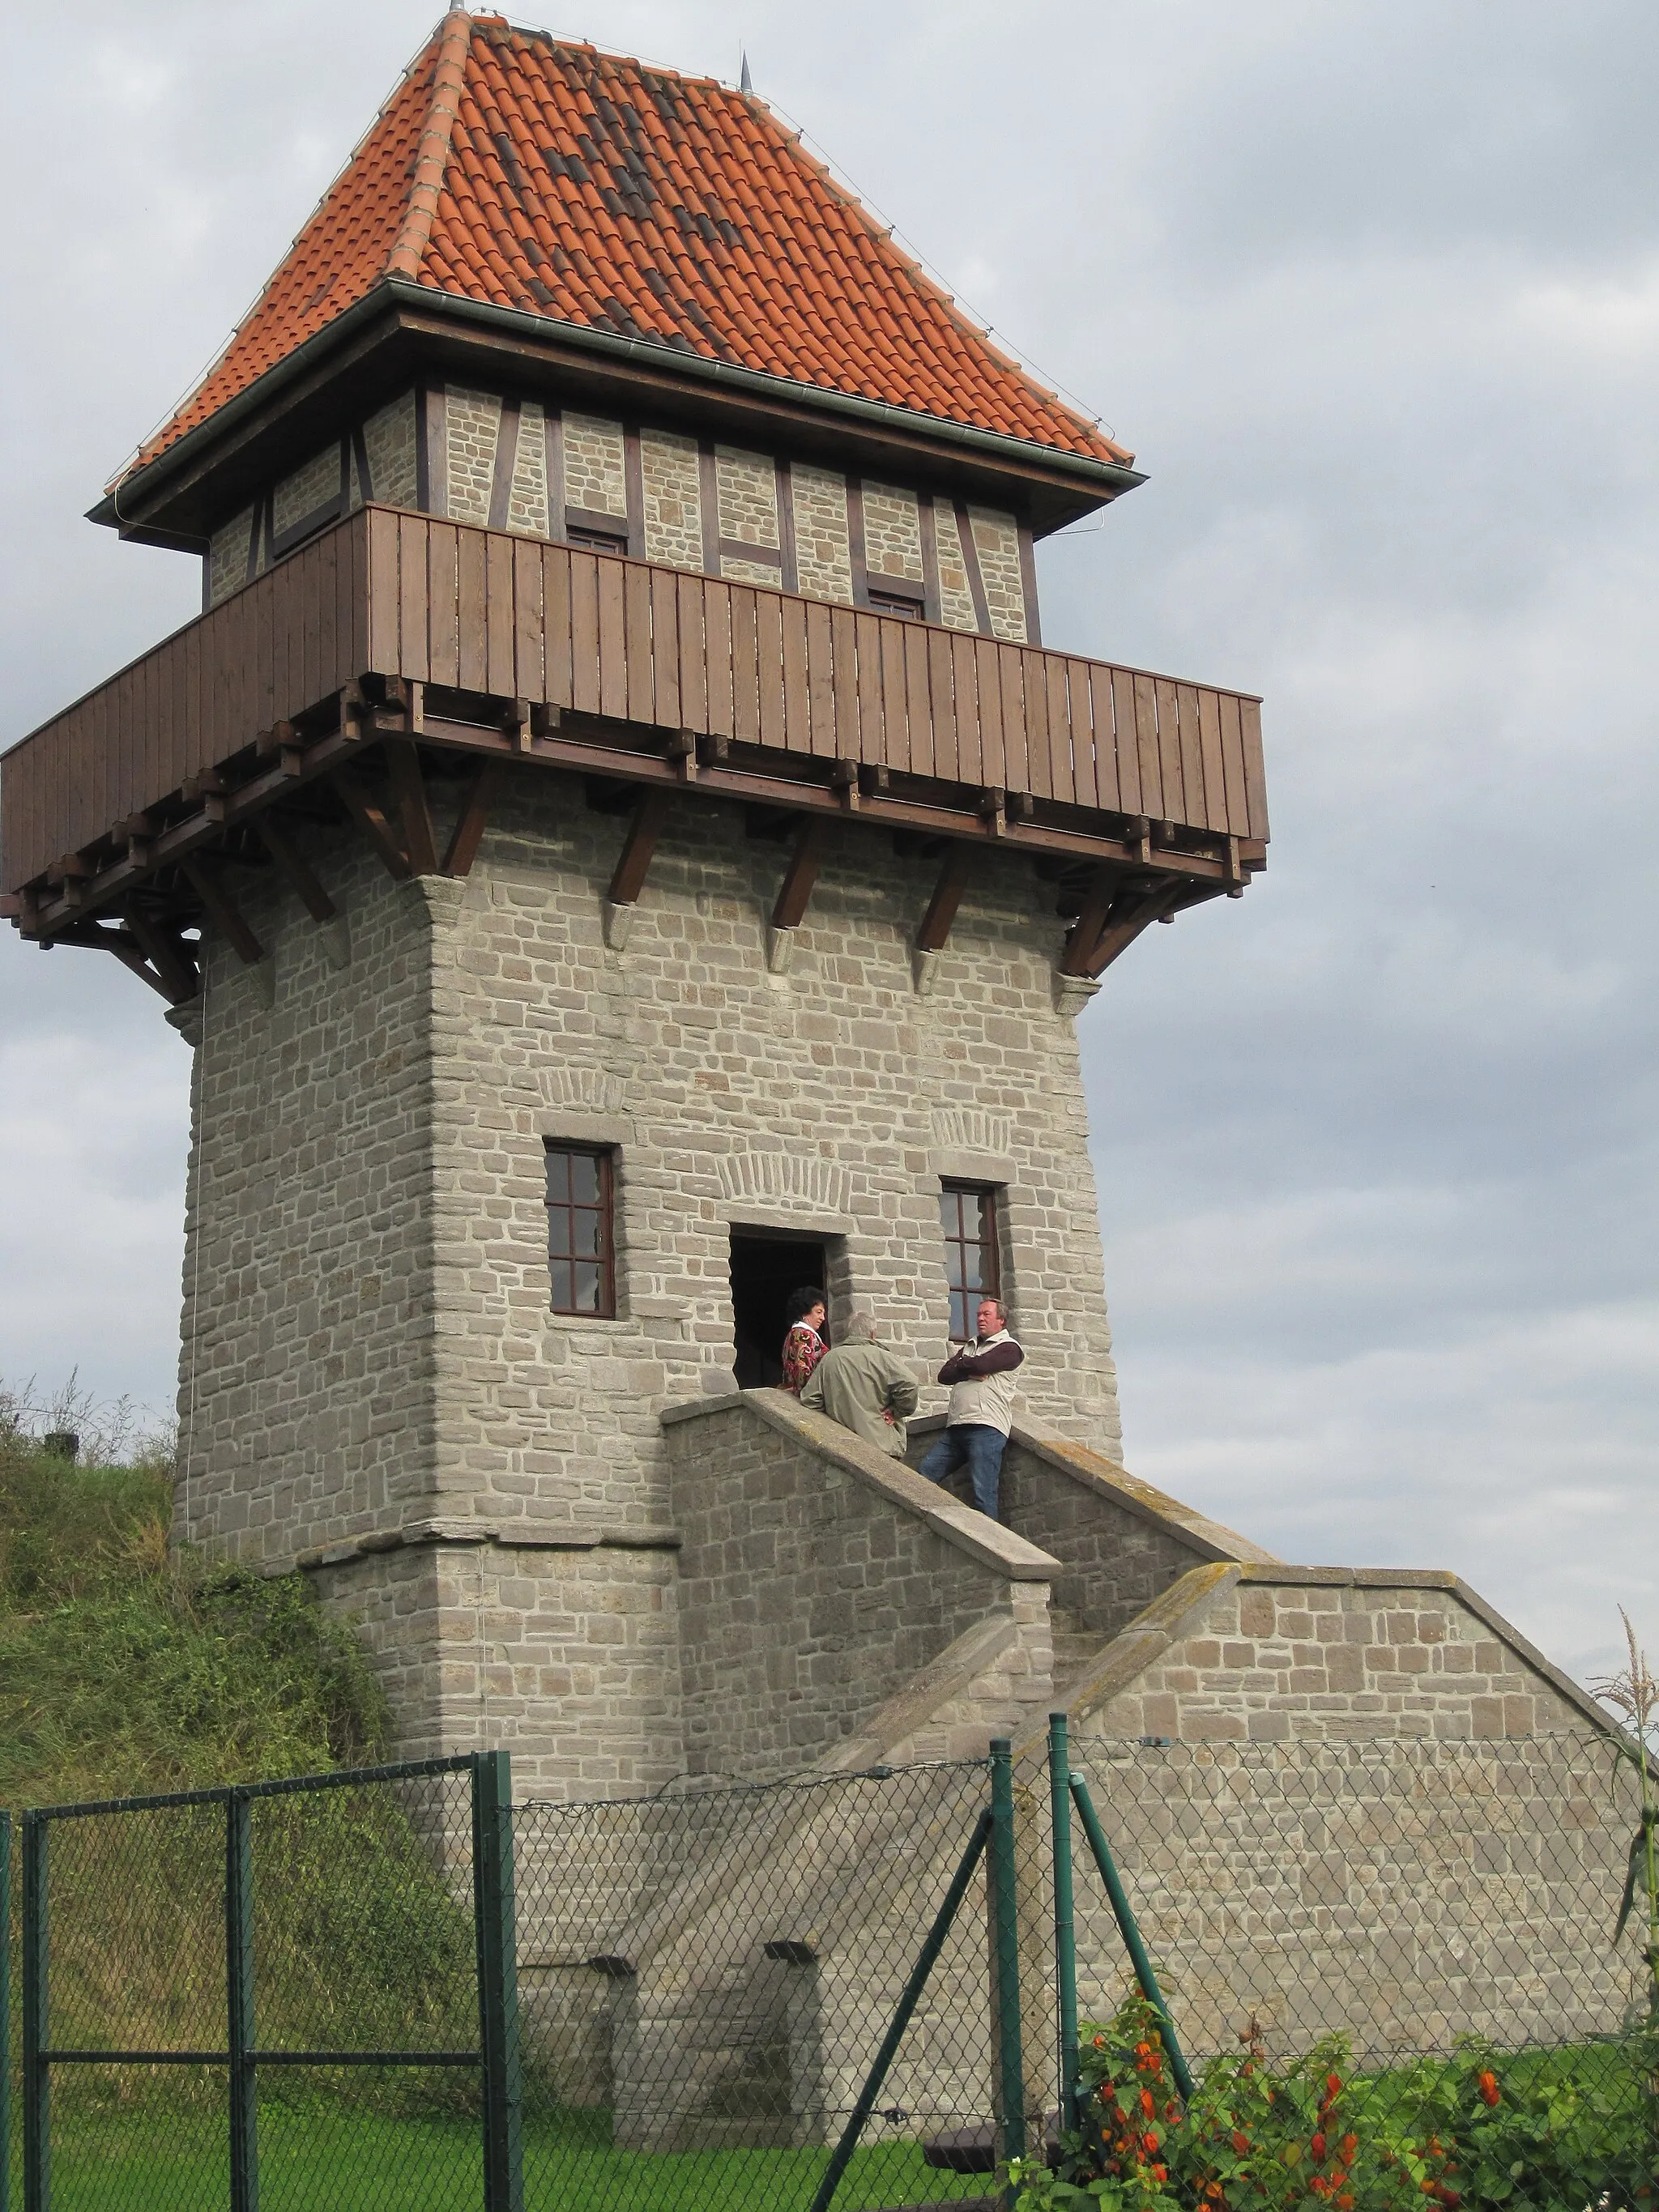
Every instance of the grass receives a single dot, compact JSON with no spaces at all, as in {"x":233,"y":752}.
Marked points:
{"x":127,"y":1670}
{"x":352,"y":2161}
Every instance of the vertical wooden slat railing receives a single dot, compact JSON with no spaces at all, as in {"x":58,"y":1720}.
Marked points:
{"x":402,"y":595}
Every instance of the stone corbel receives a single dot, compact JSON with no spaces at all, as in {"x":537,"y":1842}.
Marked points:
{"x":1073,"y":992}
{"x":780,"y":949}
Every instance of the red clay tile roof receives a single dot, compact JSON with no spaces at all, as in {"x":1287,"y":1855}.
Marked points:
{"x":512,"y":168}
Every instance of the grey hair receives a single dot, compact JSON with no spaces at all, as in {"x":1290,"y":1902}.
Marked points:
{"x":857,"y":1328}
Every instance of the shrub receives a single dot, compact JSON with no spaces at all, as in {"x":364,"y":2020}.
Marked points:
{"x":1571,"y":2131}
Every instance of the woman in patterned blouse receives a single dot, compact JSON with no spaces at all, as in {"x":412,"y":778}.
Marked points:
{"x":803,"y":1346}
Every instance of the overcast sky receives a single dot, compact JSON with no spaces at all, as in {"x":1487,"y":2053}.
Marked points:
{"x":1373,"y":292}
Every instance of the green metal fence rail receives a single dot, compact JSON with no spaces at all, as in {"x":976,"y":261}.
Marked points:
{"x":315,"y":1975}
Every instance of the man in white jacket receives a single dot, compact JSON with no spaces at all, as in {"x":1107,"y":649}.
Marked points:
{"x":982,"y":1409}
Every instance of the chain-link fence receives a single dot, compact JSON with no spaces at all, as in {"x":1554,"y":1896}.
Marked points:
{"x":1216,"y":1973}
{"x":711,"y":1979}
{"x":1387,"y":1971}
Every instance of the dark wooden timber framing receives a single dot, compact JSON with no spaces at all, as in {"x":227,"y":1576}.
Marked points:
{"x":639,"y":847}
{"x":708,"y":489}
{"x":634,"y":491}
{"x":372,"y":821}
{"x":224,"y":910}
{"x":641,"y":675}
{"x":280,"y":845}
{"x":553,"y":432}
{"x":795,"y":893}
{"x":935,"y":931}
{"x":507,"y":455}
{"x":970,"y":563}
{"x":482,"y":789}
{"x":409,"y":790}
{"x":176,"y":971}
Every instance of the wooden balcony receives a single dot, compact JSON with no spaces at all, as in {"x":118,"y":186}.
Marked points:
{"x":393,"y":627}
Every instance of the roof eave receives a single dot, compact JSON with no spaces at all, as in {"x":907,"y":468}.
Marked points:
{"x":1103,"y":480}
{"x":1112,"y":477}
{"x":146,"y":481}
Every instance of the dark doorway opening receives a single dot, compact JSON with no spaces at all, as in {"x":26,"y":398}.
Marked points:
{"x":765,"y":1269}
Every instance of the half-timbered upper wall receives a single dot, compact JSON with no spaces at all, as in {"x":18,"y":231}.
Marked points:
{"x":727,"y":510}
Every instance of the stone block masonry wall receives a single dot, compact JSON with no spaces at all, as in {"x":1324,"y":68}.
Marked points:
{"x":748,"y":486}
{"x":810,"y":1595}
{"x":956,"y":595}
{"x":673,"y":499}
{"x":595,"y":468}
{"x":228,"y":550}
{"x":731,"y":1095}
{"x":367,"y":1333}
{"x":997,"y":542}
{"x":473,"y":420}
{"x":306,"y":1375}
{"x":823,"y":560}
{"x":1121,"y":1542}
{"x":526,"y":505}
{"x":1399,"y":1893}
{"x":310,"y":487}
{"x":389,"y":447}
{"x":1341,"y":1654}
{"x":567,"y":1656}
{"x":892,"y":533}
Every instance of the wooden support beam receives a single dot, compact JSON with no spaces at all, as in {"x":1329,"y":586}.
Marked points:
{"x":1084,"y":932}
{"x":482,"y":790}
{"x":282,"y":848}
{"x":635,"y":864}
{"x":402,"y":763}
{"x":225,"y":912}
{"x":1159,"y":904}
{"x":180,"y":979}
{"x":796,"y":891}
{"x":935,"y":932}
{"x":372,"y":824}
{"x":516,"y":724}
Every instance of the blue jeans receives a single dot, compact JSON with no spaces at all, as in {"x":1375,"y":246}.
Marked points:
{"x":982,"y":1447}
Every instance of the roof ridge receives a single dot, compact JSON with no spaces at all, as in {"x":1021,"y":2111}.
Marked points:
{"x":432,"y":152}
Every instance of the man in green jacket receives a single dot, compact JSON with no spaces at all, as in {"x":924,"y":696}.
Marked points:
{"x":864,"y":1387}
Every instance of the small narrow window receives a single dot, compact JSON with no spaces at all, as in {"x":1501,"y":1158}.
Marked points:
{"x":597,"y":541}
{"x":580,"y":1238}
{"x":969,"y":1215}
{"x":885,"y":600}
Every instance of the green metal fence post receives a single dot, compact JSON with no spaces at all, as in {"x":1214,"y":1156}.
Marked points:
{"x":1005,"y":1951}
{"x":1060,"y":1795}
{"x":238,"y":1998}
{"x":1128,"y":1928}
{"x":5,"y":2012}
{"x":498,"y":1981}
{"x":37,"y":2090}
{"x":926,"y":1959}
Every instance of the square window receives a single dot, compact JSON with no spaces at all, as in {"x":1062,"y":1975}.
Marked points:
{"x":968,"y":1215}
{"x":580,"y":1231}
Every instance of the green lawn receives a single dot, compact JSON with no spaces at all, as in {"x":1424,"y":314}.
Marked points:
{"x":312,"y":2157}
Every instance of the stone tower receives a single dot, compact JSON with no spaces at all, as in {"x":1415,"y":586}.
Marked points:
{"x":619,"y":849}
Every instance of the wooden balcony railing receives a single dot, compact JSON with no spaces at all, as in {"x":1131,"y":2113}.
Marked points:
{"x":611,"y":642}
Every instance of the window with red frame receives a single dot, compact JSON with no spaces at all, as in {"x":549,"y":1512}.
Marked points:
{"x":581,"y":1230}
{"x":968,"y":1213}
